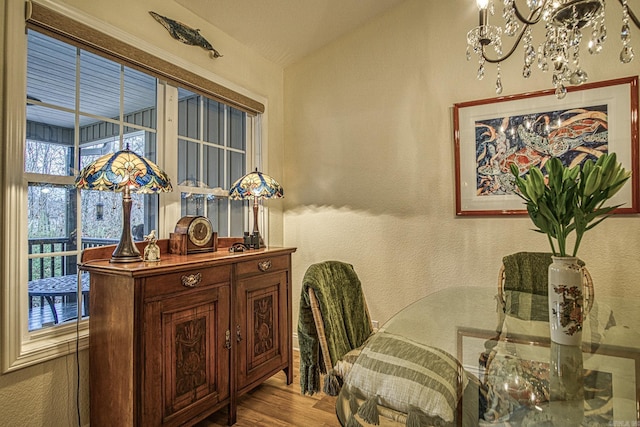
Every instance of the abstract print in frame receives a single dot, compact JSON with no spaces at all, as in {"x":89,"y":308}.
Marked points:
{"x":529,"y":129}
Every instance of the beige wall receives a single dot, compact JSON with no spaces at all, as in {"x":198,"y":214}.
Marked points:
{"x":370,"y":161}
{"x":45,"y":394}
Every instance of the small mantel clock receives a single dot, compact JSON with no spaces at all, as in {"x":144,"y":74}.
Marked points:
{"x":193,"y":234}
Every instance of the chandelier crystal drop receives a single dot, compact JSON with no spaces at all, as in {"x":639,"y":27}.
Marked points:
{"x":567,"y":24}
{"x":499,"y":82}
{"x":626,"y":55}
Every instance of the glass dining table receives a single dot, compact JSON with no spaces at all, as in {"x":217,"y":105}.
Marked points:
{"x":521,"y":378}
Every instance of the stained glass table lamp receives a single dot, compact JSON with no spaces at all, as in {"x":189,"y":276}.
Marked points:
{"x":124,"y":172}
{"x":255,"y":186}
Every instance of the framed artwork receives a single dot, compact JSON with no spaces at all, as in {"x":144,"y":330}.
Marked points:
{"x":610,"y":375}
{"x":528,"y":129}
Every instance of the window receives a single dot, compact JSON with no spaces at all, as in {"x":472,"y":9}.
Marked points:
{"x":211,"y":156}
{"x":80,"y":105}
{"x":114,"y":106}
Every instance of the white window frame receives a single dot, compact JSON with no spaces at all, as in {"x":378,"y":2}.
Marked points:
{"x":20,"y":348}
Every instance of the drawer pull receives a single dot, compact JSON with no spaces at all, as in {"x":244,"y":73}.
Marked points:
{"x":264,"y":265}
{"x":238,"y":334}
{"x":192,"y":280}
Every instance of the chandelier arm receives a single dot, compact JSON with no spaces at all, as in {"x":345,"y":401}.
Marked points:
{"x":511,"y":51}
{"x":632,"y":15}
{"x":533,"y":18}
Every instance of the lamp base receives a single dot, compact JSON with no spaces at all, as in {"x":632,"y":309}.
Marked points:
{"x":122,"y":259}
{"x":126,"y":251}
{"x":253,"y":240}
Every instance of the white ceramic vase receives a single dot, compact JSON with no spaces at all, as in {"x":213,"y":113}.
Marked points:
{"x":566,"y":301}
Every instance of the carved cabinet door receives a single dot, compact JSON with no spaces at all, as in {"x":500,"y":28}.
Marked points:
{"x":187,"y":355}
{"x":260,"y":327}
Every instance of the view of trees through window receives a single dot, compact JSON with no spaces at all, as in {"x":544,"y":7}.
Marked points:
{"x":47,"y":203}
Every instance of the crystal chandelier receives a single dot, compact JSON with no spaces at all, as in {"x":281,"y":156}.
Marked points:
{"x":565,"y":22}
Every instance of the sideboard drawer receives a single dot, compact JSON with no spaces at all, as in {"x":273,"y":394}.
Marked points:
{"x":263,"y":265}
{"x":196,"y":278}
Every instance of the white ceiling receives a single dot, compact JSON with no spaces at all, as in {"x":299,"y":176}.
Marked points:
{"x":286,"y":30}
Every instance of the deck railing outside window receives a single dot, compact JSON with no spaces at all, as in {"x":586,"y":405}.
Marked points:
{"x":53,"y":288}
{"x":41,"y":268}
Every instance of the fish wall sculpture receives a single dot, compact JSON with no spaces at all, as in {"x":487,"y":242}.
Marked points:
{"x":185,"y":34}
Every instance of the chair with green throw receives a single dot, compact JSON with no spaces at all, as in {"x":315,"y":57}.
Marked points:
{"x":333,"y":321}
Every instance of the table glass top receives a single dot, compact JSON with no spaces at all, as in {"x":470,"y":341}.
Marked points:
{"x":523,"y":377}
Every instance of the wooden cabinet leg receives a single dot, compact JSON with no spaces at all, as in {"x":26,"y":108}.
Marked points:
{"x":232,"y":413}
{"x":289,"y":373}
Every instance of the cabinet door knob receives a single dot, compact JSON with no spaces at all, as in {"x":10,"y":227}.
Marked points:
{"x":227,"y":339}
{"x":192,"y":280}
{"x":264,"y":265}
{"x":238,"y":334}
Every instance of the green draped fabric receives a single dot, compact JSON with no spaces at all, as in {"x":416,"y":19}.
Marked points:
{"x":527,"y":272}
{"x":346,"y":321}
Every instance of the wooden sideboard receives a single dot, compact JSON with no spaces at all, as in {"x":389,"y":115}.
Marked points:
{"x":173,"y":341}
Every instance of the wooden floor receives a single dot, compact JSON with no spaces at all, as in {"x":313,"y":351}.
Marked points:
{"x":276,"y":404}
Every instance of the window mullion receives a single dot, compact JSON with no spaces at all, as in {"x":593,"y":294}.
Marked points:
{"x":225,"y":162}
{"x":168,"y":134}
{"x":51,"y":254}
{"x":121,"y":100}
{"x":48,"y":179}
{"x":201,"y":162}
{"x":76,"y":145}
